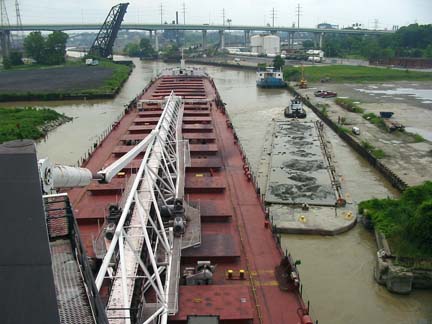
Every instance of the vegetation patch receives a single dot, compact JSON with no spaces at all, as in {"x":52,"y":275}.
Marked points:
{"x":374,"y":119}
{"x":406,"y":222}
{"x":344,"y":130}
{"x":323,"y":108}
{"x":377,"y":153}
{"x":71,"y":81}
{"x":349,"y":105}
{"x":418,"y":138}
{"x":32,"y":123}
{"x":348,"y":73}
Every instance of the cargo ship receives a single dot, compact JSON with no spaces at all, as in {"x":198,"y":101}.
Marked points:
{"x":164,"y":222}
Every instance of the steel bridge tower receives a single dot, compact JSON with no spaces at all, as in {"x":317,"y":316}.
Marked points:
{"x":103,"y":44}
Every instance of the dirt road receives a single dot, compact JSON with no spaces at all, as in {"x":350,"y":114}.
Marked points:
{"x":411,"y":106}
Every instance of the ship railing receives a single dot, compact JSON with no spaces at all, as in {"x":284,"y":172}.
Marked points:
{"x":61,"y":224}
{"x":85,"y":157}
{"x":276,"y":236}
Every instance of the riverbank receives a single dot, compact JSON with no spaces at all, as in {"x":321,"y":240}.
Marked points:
{"x":31,"y":123}
{"x":405,"y":162}
{"x":354,"y":74}
{"x":69,"y":82}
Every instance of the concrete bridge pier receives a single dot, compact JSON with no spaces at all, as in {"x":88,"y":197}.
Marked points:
{"x":318,"y":40}
{"x":291,"y":40}
{"x":247,"y":38}
{"x":5,"y":43}
{"x":222,"y":39}
{"x":204,"y":39}
{"x":156,"y":41}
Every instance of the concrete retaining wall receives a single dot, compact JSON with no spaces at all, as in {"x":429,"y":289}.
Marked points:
{"x":229,"y":65}
{"x":397,"y":278}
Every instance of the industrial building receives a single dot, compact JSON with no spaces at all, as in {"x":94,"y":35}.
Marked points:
{"x":265,"y":44}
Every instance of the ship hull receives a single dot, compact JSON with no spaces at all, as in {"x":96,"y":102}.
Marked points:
{"x":253,"y":282}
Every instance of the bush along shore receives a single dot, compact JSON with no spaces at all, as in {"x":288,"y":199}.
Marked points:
{"x":28,"y":122}
{"x":403,"y":229}
{"x":105,"y":87}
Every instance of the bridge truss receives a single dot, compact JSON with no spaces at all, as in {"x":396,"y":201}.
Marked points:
{"x":103,"y":44}
{"x":142,"y":264}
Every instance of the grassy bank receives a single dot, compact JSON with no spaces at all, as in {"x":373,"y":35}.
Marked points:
{"x":70,"y":81}
{"x":32,"y":123}
{"x":347,"y":73}
{"x":349,"y":105}
{"x":406,"y":222}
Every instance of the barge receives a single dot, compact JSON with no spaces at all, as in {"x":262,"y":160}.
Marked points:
{"x":166,"y":214}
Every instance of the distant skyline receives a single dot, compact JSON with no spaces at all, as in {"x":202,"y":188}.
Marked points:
{"x":383,"y":14}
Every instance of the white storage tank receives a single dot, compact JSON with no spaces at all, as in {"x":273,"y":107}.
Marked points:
{"x":271,"y":44}
{"x":256,"y":43}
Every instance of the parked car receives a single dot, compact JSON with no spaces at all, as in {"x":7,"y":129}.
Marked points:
{"x":328,"y":94}
{"x":325,"y":94}
{"x":319,"y":93}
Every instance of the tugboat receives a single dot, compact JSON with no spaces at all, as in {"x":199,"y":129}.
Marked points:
{"x":295,"y":109}
{"x":270,"y":78}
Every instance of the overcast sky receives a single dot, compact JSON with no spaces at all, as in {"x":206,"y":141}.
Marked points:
{"x":385,"y":13}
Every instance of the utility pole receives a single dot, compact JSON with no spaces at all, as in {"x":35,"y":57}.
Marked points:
{"x":298,"y":15}
{"x":223,"y":16}
{"x":184,"y":13}
{"x":161,"y":13}
{"x":273,"y":17}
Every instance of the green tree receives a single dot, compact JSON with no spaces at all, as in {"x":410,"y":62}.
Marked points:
{"x":428,"y":51}
{"x":55,"y":48}
{"x":34,"y":45}
{"x":278,"y":62}
{"x":308,"y":44}
{"x":15,"y":58}
{"x":172,"y":51}
{"x":133,"y":50}
{"x":7,"y":63}
{"x":421,"y":225}
{"x":147,"y":49}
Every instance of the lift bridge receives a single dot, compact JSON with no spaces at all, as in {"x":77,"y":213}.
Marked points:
{"x":140,"y":271}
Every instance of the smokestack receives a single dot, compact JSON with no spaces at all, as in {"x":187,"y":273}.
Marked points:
{"x":177,"y":17}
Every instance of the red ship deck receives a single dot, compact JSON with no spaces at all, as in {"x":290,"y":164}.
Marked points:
{"x":234,"y":235}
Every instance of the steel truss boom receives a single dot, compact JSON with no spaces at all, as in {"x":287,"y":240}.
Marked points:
{"x":142,"y":244}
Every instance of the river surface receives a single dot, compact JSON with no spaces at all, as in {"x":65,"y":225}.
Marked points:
{"x":337,"y":272}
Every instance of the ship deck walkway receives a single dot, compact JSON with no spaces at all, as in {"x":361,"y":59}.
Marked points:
{"x":72,"y":301}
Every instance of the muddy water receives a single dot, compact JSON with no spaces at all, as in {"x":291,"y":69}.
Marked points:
{"x":336,"y":271}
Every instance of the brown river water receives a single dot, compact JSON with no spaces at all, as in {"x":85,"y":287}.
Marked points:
{"x":337,"y":272}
